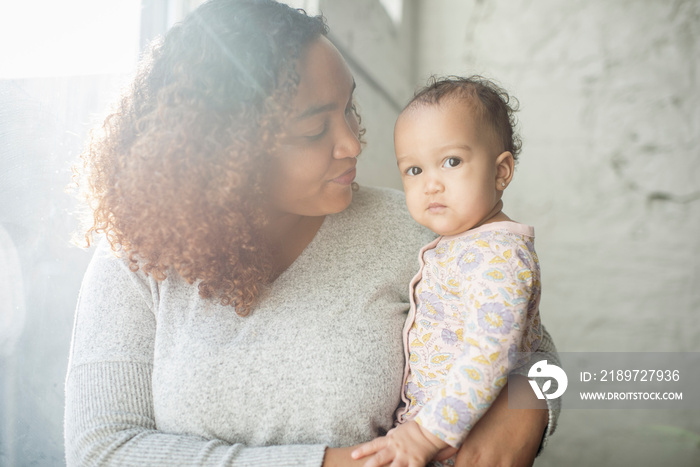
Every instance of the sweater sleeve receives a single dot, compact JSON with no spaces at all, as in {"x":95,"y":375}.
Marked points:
{"x":548,"y":350}
{"x":109,"y":411}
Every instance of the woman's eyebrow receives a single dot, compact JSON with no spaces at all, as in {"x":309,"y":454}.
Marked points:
{"x":311,"y":111}
{"x":314,"y":110}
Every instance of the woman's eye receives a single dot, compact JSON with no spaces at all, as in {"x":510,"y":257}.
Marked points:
{"x":452,"y":162}
{"x":317,"y":135}
{"x":413,"y":171}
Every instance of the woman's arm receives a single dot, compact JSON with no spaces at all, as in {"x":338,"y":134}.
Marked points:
{"x":513,"y":437}
{"x":109,"y":413}
{"x":503,"y":436}
{"x":340,"y":457}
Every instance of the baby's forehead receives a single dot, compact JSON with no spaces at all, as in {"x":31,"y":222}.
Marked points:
{"x":478,"y":124}
{"x":468,"y":104}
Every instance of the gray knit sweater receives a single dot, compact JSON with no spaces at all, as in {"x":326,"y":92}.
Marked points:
{"x":159,"y":376}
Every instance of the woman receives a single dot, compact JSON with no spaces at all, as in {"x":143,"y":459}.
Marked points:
{"x":255,"y":312}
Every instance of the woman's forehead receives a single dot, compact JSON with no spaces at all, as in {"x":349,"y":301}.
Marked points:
{"x":325,"y":78}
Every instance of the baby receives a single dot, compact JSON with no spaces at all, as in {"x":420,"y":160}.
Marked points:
{"x":475,"y":299}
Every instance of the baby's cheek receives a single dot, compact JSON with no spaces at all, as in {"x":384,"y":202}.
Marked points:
{"x":411,"y":194}
{"x":413,"y":206}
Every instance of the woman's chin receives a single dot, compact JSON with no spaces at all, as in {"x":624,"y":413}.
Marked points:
{"x":339,"y":202}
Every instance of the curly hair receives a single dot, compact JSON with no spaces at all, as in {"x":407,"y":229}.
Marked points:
{"x":494,"y":107}
{"x":174,"y":176}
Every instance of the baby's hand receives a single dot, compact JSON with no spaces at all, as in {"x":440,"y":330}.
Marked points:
{"x":406,"y":445}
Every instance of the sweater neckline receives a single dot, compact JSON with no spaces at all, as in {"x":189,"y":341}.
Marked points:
{"x":306,"y":252}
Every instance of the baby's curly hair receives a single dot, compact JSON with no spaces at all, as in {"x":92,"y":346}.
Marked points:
{"x":174,"y":176}
{"x":494,"y":107}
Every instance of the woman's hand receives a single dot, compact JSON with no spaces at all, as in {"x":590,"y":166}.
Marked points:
{"x":340,"y":457}
{"x":503,"y":436}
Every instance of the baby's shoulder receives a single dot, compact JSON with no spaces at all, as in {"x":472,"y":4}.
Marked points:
{"x":493,"y":245}
{"x":498,"y":236}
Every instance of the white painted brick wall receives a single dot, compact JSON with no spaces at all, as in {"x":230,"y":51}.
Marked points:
{"x":609,"y":176}
{"x":385,"y":50}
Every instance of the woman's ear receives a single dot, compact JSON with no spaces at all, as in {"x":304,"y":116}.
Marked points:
{"x":505,"y":166}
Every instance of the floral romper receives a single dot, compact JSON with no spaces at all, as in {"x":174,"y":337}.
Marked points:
{"x":474,"y":304}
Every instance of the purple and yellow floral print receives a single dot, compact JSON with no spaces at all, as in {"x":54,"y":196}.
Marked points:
{"x":475,"y":303}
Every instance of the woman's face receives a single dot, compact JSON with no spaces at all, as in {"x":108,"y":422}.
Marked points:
{"x":313,"y":169}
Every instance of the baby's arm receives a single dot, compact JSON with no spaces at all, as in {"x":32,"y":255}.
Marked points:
{"x":500,"y":298}
{"x":408,"y":444}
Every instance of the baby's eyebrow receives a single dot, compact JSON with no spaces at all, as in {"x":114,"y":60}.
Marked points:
{"x":466,"y":147}
{"x":406,"y":159}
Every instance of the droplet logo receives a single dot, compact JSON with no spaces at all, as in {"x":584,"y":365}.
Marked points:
{"x":543,"y":370}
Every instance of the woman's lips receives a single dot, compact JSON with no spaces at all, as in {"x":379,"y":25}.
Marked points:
{"x":346,"y":178}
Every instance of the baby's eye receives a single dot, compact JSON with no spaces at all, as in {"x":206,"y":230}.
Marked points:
{"x":452,"y":162}
{"x":413,"y":171}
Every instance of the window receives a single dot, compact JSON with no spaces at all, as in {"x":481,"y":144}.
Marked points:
{"x":310,"y":6}
{"x":394,"y":8}
{"x":68,"y":37}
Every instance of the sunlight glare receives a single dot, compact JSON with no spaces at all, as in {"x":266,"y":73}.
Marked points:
{"x":68,"y":37}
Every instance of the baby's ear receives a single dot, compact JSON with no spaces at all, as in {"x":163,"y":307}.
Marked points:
{"x":505,"y":166}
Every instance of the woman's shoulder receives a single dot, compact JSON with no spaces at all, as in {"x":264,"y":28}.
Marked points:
{"x":383,"y":211}
{"x":378,"y":197}
{"x":116,"y":271}
{"x":386,"y":204}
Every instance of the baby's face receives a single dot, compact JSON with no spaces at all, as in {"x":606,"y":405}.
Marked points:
{"x":448,"y":169}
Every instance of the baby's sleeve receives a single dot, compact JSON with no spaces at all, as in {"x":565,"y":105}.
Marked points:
{"x":500,"y":289}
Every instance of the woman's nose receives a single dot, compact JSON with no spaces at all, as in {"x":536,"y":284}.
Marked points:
{"x":348,"y":144}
